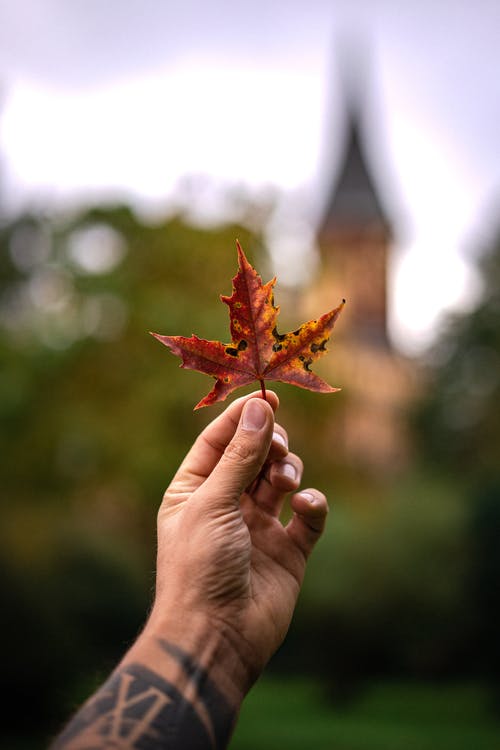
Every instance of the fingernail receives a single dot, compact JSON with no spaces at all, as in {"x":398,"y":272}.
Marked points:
{"x":278,"y":438}
{"x":254,"y":415}
{"x":308,"y":497}
{"x":289,"y":471}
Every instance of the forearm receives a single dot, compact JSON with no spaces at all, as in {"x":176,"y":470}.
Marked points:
{"x":178,"y":687}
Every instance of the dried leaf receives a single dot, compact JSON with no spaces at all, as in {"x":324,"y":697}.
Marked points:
{"x":257,"y":351}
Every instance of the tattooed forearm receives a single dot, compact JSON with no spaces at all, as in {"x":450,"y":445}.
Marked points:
{"x":211,"y":706}
{"x":136,"y":709}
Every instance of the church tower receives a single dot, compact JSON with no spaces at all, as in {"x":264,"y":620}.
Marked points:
{"x":354,"y":240}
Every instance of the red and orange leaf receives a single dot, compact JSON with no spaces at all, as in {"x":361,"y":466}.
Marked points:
{"x":257,"y":351}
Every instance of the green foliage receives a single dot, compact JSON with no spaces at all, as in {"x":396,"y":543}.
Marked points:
{"x":385,"y":591}
{"x":88,"y":398}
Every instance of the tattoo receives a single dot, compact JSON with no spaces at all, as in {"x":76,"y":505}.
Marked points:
{"x":213,"y":709}
{"x":136,"y":709}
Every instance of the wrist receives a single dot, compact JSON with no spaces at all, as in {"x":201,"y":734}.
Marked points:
{"x":218,"y":651}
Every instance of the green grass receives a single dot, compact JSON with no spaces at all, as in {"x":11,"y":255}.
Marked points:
{"x":295,"y":714}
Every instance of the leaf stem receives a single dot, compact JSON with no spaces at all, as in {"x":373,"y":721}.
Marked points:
{"x":263,"y":389}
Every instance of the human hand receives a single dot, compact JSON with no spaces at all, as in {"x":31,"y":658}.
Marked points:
{"x":228,"y":576}
{"x":223,"y":555}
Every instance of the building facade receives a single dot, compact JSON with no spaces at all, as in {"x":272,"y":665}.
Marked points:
{"x":355,"y":239}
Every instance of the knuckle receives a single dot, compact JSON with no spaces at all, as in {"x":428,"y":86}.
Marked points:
{"x":241,"y":451}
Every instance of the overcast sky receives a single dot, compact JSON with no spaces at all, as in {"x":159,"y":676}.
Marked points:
{"x":124,"y":99}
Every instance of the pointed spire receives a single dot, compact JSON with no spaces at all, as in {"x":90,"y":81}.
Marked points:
{"x":355,"y":232}
{"x":354,"y":201}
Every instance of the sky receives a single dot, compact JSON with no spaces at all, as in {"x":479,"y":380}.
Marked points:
{"x":143,"y":99}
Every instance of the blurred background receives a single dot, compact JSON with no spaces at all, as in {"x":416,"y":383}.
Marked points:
{"x":353,"y":149}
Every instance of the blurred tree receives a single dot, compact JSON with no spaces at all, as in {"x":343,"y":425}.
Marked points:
{"x":385,"y":590}
{"x":459,"y":421}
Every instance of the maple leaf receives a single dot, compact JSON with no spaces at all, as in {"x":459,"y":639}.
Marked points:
{"x":257,"y":351}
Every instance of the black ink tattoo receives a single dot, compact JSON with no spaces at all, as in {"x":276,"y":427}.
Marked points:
{"x":220,"y":715}
{"x":136,"y":709}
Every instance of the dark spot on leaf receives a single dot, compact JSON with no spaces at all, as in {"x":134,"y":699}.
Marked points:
{"x":301,"y":357}
{"x":242,"y":345}
{"x":297,"y":332}
{"x":307,"y":365}
{"x":319,"y":347}
{"x":231,"y":351}
{"x":278,"y":336}
{"x":277,"y":347}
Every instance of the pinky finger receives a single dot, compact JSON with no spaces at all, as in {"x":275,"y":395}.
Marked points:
{"x":308,"y":521}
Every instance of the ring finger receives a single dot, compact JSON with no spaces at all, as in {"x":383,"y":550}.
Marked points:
{"x":278,"y":479}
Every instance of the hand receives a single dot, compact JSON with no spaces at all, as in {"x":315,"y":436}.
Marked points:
{"x":228,"y":576}
{"x":223,"y":554}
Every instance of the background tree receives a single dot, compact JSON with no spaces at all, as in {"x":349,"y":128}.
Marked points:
{"x":459,"y":421}
{"x":459,"y":426}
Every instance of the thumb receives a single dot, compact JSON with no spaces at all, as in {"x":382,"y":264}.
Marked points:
{"x":243,"y":457}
